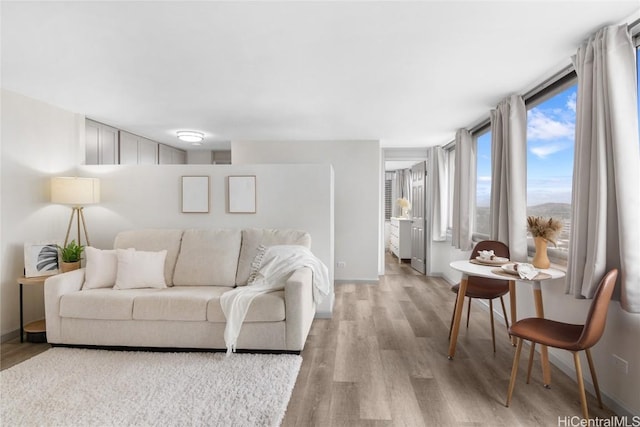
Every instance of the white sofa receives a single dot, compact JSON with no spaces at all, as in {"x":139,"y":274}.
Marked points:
{"x":200,"y":266}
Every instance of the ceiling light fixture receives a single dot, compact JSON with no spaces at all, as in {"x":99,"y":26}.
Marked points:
{"x":190,"y":136}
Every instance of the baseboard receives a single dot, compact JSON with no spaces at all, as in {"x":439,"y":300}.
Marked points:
{"x":612,"y":403}
{"x":10,"y":336}
{"x":443,"y":277}
{"x":323,"y":315}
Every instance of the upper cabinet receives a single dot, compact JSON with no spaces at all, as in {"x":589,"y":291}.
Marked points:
{"x":106,"y":145}
{"x":101,"y":144}
{"x":147,"y":152}
{"x":137,"y":150}
{"x":171,"y":156}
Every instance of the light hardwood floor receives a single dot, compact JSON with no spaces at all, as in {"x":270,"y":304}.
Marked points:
{"x":382,"y":361}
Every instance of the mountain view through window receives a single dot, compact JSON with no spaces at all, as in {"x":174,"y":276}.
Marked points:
{"x":550,"y":146}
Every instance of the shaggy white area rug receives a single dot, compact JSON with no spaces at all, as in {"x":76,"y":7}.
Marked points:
{"x":80,"y":387}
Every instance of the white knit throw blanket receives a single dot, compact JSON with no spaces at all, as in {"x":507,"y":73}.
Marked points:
{"x":271,"y":268}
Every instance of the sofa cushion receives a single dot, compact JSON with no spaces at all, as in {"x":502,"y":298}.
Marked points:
{"x":153,"y":240}
{"x":181,"y":303}
{"x":102,"y":266}
{"x":208,"y":258}
{"x":140,"y":269}
{"x":264,"y":308}
{"x":252,"y":238}
{"x":101,"y":304}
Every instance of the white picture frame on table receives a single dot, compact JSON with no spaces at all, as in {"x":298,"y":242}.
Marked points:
{"x":195,"y":194}
{"x":41,"y":259}
{"x":241,"y":194}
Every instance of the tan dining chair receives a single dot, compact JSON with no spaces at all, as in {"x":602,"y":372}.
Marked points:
{"x":566,"y":336}
{"x":483,"y":288}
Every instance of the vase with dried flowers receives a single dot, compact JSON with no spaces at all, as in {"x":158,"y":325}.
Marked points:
{"x":405,"y":205}
{"x":543,"y":230}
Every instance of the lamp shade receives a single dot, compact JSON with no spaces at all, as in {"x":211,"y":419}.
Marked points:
{"x":75,"y":191}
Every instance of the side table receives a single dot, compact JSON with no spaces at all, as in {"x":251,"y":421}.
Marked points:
{"x":39,"y":326}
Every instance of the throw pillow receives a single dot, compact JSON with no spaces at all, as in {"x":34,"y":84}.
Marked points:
{"x":100,"y":269}
{"x":140,"y":269}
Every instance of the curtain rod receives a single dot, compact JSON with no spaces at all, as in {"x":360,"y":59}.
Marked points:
{"x":569,"y":69}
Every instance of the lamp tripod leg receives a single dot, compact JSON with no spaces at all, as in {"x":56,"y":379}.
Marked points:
{"x":78,"y":217}
{"x":66,"y":238}
{"x":84,"y":226}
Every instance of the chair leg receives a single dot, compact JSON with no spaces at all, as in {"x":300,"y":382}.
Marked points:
{"x":493,"y":330}
{"x":594,"y":378}
{"x":452,"y":316}
{"x":583,"y":396}
{"x":468,"y":312}
{"x":504,"y":311}
{"x":531,"y":354}
{"x":514,"y":372}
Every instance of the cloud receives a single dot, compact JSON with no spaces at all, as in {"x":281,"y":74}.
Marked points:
{"x":551,"y":130}
{"x":545,"y":150}
{"x":484,"y":178}
{"x":546,"y":125}
{"x":571,"y":102}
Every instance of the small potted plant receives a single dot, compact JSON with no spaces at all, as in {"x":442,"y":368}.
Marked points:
{"x":71,"y":255}
{"x":543,"y":231}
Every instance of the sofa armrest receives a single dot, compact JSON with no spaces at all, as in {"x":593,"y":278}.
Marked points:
{"x":54,"y":288}
{"x":299,"y":308}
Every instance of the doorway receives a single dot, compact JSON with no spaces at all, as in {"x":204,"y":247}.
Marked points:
{"x":398,"y":183}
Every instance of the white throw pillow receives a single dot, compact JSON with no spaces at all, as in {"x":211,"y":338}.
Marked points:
{"x":102,"y":266}
{"x":140,"y":269}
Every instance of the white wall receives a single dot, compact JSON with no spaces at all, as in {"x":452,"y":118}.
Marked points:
{"x":148,"y":196}
{"x":620,"y":337}
{"x":40,"y":141}
{"x":357,"y":166}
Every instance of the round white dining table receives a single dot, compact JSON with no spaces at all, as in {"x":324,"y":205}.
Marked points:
{"x":468,"y":268}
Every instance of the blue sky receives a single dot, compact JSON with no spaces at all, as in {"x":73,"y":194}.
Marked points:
{"x":550,"y":142}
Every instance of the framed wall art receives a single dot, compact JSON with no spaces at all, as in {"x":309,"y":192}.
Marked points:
{"x":195,"y":194}
{"x":41,"y":259}
{"x":241,"y":194}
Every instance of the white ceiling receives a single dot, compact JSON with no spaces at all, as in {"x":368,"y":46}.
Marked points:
{"x":405,"y":73}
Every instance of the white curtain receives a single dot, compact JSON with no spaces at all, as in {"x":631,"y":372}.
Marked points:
{"x":401,"y":189}
{"x":464,"y":191}
{"x":440,"y":194}
{"x":605,"y":230}
{"x":406,"y":185}
{"x":509,"y":176}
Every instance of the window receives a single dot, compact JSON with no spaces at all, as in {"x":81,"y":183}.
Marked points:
{"x":551,"y":123}
{"x":483,"y":183}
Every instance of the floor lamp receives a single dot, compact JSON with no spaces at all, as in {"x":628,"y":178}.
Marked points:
{"x":76,"y":192}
